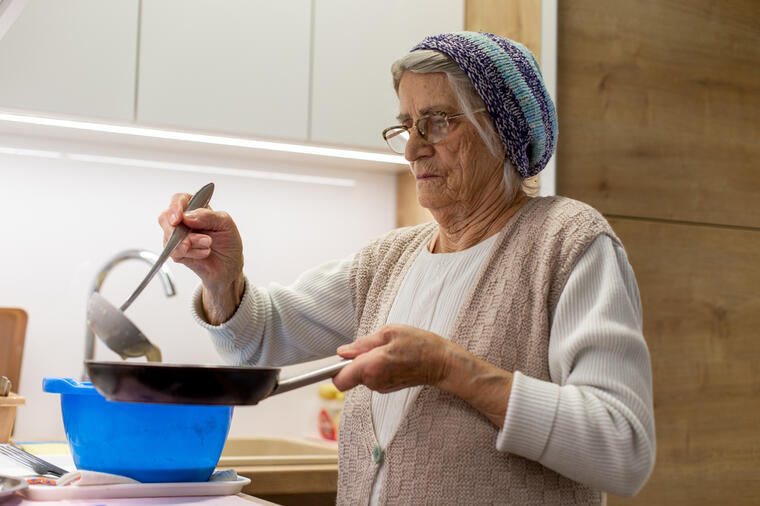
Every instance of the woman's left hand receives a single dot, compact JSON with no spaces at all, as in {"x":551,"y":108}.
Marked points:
{"x":395,"y":357}
{"x":399,"y":356}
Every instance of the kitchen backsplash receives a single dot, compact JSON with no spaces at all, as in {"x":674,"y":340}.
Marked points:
{"x":63,"y":219}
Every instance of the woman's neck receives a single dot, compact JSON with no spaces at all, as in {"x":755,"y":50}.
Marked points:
{"x":464,"y":228}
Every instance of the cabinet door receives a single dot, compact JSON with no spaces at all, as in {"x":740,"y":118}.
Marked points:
{"x":237,"y":66}
{"x":355,"y":44}
{"x":72,"y":57}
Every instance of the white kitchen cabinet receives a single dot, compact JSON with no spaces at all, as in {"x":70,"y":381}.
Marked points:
{"x":237,"y":66}
{"x":72,"y":57}
{"x":355,"y":43}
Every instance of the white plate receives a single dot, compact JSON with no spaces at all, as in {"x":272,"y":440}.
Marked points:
{"x":185,"y":489}
{"x":9,"y":485}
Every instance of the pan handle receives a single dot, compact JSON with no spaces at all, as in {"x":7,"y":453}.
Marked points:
{"x":310,"y":377}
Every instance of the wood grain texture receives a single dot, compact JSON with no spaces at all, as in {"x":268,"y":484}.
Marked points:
{"x":659,"y":108}
{"x":516,"y":19}
{"x":701,"y":303}
{"x":408,"y":210}
{"x":290,"y":479}
{"x":12,"y":336}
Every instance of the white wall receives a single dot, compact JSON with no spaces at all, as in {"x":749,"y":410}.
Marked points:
{"x":62,"y":219}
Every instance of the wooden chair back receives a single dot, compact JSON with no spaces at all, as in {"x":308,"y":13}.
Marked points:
{"x":12,"y":335}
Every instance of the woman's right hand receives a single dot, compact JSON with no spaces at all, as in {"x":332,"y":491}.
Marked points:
{"x":213,"y":250}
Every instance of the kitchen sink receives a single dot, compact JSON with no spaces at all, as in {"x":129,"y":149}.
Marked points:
{"x":272,"y":451}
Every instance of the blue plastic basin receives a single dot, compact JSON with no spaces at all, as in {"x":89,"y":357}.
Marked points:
{"x":151,"y":443}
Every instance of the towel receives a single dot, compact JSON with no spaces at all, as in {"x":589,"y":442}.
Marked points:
{"x":88,"y":478}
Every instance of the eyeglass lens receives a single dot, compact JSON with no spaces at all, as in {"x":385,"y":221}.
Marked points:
{"x":397,"y":139}
{"x":431,"y":128}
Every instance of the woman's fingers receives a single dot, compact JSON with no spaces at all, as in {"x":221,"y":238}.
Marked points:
{"x":394,"y":357}
{"x":194,"y":246}
{"x":200,"y":219}
{"x":175,"y":213}
{"x":354,"y":373}
{"x":177,"y":206}
{"x":206,"y":219}
{"x":364,"y":344}
{"x":368,"y":363}
{"x":198,"y":253}
{"x":172,"y":216}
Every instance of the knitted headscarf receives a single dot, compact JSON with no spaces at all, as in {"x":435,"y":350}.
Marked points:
{"x":507,"y":77}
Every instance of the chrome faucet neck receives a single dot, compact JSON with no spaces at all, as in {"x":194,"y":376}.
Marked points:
{"x":167,"y":280}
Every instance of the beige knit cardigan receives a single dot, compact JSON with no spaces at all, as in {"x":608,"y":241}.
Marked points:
{"x":444,"y":451}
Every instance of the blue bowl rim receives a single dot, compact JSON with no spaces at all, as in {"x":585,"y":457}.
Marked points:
{"x":59,"y":385}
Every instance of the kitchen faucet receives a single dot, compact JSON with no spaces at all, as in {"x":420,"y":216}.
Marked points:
{"x":147,"y":256}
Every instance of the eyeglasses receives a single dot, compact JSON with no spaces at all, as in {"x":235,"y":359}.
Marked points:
{"x":433,"y":128}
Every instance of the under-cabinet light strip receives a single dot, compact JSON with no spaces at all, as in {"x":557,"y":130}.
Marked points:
{"x":180,"y":167}
{"x":204,"y":139}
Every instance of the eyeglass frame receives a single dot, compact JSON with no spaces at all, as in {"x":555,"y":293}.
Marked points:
{"x":415,"y":126}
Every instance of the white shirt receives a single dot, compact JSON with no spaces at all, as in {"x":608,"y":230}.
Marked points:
{"x":429,"y":298}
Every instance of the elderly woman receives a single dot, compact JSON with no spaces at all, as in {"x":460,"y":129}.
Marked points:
{"x":497,"y":351}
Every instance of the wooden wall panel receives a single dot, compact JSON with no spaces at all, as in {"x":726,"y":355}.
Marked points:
{"x":659,"y":104}
{"x":516,"y":19}
{"x":12,"y":337}
{"x":701,"y":303}
{"x":408,"y":210}
{"x":658,"y":109}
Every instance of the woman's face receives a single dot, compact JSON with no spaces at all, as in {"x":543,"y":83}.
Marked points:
{"x":456,"y":173}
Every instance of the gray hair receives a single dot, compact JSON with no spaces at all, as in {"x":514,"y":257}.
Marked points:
{"x":427,"y":61}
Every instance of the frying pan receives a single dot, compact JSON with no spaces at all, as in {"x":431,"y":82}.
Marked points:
{"x":154,"y":382}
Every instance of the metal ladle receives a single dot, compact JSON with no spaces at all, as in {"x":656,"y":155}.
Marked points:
{"x":112,"y":325}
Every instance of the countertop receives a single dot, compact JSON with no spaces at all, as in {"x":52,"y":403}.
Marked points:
{"x":11,"y":468}
{"x":280,"y":469}
{"x":228,"y":500}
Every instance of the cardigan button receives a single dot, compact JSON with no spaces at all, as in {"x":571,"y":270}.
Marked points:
{"x":377,"y":454}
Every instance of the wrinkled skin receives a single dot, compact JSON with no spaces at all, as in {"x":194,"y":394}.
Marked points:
{"x":400,"y":356}
{"x":213,"y":250}
{"x":395,"y":357}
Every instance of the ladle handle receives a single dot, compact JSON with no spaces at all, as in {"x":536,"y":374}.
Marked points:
{"x":310,"y":377}
{"x":200,"y":199}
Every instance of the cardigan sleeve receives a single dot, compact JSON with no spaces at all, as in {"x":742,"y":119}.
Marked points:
{"x":282,"y":325}
{"x":594,"y":421}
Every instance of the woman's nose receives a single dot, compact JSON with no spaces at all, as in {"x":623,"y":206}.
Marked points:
{"x":416,"y":147}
